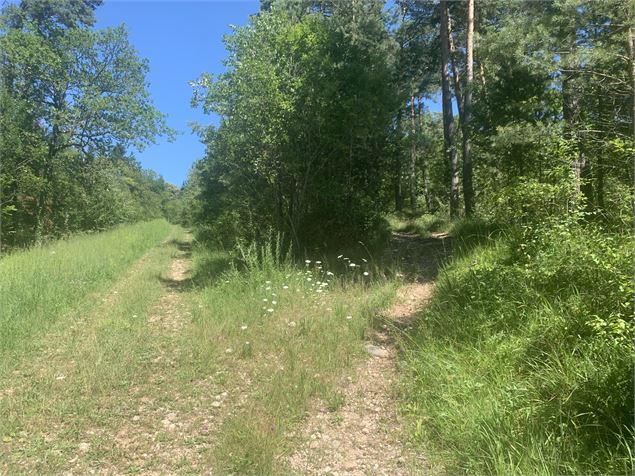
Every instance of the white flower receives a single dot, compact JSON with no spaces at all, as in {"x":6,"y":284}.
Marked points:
{"x":365,"y":273}
{"x":328,"y":273}
{"x":352,"y":265}
{"x":318,"y":262}
{"x":291,"y":324}
{"x":265,"y":300}
{"x":364,"y":260}
{"x":285,"y":287}
{"x":274,"y":302}
{"x":318,"y":291}
{"x":307,"y":261}
{"x":229,"y":351}
{"x":309,"y":279}
{"x":340,"y":257}
{"x":270,"y":310}
{"x":268,"y":289}
{"x":267,"y":282}
{"x":349,"y":317}
{"x":243,"y":328}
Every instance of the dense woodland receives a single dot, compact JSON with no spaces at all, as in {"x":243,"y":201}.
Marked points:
{"x":326,"y":135}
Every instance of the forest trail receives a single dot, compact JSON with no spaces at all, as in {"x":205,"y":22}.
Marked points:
{"x":365,"y":435}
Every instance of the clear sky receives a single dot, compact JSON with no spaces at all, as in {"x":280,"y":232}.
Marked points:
{"x":181,"y":40}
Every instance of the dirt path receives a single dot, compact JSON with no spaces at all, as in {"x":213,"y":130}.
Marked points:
{"x":365,"y":435}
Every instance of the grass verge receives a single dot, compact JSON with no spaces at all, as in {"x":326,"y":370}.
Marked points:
{"x":522,"y":362}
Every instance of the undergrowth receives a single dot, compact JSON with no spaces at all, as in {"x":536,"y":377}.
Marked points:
{"x":522,"y":362}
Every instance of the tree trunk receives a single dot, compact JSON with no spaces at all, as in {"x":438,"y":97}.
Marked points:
{"x":424,"y":166}
{"x":413,"y":157}
{"x":449,"y":128}
{"x":468,"y":191}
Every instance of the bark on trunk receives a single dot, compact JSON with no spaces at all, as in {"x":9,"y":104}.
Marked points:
{"x":448,"y":118}
{"x":413,"y":157}
{"x":468,"y":191}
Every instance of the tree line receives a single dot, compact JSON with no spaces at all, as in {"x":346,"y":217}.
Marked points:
{"x":325,"y":125}
{"x":73,"y":101}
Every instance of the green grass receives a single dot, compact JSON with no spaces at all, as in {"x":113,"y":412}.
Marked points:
{"x":281,"y":360}
{"x":522,"y":363}
{"x":77,"y":383}
{"x":93,"y":388}
{"x":39,"y":285}
{"x":423,"y":225}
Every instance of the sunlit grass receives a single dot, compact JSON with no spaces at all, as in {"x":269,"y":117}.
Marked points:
{"x":287,"y":333}
{"x":504,"y":376}
{"x":39,"y":285}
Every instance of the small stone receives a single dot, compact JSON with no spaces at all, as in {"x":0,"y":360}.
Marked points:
{"x":377,"y":351}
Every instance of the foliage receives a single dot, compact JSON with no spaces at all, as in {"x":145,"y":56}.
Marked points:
{"x":71,"y":98}
{"x":523,"y":360}
{"x":305,"y":106}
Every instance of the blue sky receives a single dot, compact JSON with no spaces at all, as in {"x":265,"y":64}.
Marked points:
{"x":181,"y":40}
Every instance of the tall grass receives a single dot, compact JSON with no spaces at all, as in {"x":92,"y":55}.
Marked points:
{"x":522,"y":363}
{"x":287,"y":333}
{"x":38,"y":285}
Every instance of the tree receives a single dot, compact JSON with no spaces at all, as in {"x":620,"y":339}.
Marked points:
{"x":449,"y":128}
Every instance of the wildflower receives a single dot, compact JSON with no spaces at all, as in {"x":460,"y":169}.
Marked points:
{"x":265,"y":300}
{"x":364,"y":260}
{"x":309,"y":279}
{"x":318,"y":262}
{"x":267,"y":282}
{"x":365,"y":273}
{"x":229,"y":351}
{"x":318,"y":291}
{"x":285,"y":287}
{"x":349,"y":317}
{"x":270,"y":310}
{"x":352,"y":265}
{"x":274,"y":302}
{"x":268,"y":289}
{"x":291,"y":324}
{"x":328,"y":273}
{"x":243,"y":328}
{"x":307,"y":261}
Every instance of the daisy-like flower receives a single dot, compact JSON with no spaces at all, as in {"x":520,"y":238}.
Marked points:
{"x":365,"y":273}
{"x":352,"y":265}
{"x":318,"y":262}
{"x":274,"y":302}
{"x":243,"y":328}
{"x":349,"y":317}
{"x":285,"y":287}
{"x":270,"y":310}
{"x":307,"y":261}
{"x":265,"y":300}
